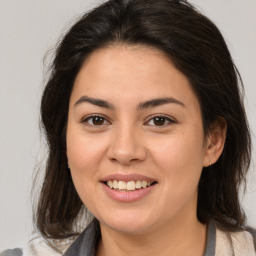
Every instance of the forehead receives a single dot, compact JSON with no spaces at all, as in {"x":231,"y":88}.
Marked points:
{"x":134,"y":72}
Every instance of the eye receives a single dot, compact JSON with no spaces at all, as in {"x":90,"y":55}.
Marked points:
{"x":95,"y":120}
{"x":160,"y":121}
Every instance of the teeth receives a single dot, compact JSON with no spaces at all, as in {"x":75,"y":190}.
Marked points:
{"x":122,"y":185}
{"x":130,"y":185}
{"x":115,"y":184}
{"x":110,"y":183}
{"x":138,"y":184}
{"x":144,"y":184}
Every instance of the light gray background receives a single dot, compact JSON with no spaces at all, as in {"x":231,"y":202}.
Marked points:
{"x":28,"y":29}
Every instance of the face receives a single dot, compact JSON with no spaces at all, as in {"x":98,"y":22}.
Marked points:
{"x":135,"y":140}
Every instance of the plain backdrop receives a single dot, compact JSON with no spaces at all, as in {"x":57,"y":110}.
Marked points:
{"x":28,"y":30}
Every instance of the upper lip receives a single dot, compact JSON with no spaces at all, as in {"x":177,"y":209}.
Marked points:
{"x":128,"y":177}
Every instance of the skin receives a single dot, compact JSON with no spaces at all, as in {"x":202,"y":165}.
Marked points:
{"x":129,"y":140}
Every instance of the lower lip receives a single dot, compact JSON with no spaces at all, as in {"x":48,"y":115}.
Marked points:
{"x":129,"y":196}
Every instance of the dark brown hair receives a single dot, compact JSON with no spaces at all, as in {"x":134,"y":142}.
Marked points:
{"x":196,"y":47}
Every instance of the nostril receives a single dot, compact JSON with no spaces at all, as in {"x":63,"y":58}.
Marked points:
{"x":124,"y":160}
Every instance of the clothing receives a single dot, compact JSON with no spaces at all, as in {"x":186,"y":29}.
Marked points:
{"x":219,"y":243}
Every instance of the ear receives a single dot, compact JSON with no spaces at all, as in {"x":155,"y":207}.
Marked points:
{"x":215,"y":141}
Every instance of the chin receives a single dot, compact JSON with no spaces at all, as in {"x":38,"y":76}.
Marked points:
{"x":128,"y":223}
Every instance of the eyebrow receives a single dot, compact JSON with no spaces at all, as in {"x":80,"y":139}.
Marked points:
{"x":159,"y":102}
{"x":143,"y":105}
{"x":94,"y":101}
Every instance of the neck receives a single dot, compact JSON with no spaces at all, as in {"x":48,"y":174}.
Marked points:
{"x":185,"y":238}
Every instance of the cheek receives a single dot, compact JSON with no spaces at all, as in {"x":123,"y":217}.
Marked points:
{"x":83,"y":152}
{"x":179,"y":151}
{"x":180,"y":159}
{"x":85,"y":156}
{"x":180,"y":164}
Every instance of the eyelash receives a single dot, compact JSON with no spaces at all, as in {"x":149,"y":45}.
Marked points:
{"x":166,"y":119}
{"x":151,"y":118}
{"x":86,"y":120}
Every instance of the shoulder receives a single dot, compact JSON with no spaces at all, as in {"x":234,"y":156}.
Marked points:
{"x":12,"y":252}
{"x":239,"y":243}
{"x":40,"y":247}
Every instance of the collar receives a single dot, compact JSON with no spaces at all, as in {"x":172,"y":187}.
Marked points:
{"x":87,"y":242}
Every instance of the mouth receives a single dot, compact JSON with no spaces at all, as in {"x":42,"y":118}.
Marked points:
{"x":128,"y":186}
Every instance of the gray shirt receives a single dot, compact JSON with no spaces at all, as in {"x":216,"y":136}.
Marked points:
{"x":87,"y":242}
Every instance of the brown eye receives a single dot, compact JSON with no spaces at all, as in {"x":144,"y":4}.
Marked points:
{"x":95,"y":120}
{"x":160,"y":121}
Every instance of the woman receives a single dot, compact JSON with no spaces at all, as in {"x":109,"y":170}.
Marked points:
{"x":146,"y":131}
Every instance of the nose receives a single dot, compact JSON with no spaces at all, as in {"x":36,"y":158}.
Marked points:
{"x":126,"y":146}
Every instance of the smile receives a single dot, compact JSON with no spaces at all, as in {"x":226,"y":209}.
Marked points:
{"x":128,"y":186}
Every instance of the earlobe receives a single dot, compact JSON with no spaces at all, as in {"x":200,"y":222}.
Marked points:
{"x":215,"y":141}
